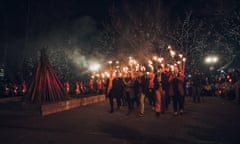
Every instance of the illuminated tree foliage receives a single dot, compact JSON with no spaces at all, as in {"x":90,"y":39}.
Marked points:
{"x":62,"y":64}
{"x":189,"y":36}
{"x":138,"y":26}
{"x":144,"y":30}
{"x":106,"y":41}
{"x":231,"y":32}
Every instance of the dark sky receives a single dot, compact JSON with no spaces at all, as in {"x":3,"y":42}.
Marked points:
{"x":14,"y":12}
{"x":17,"y":9}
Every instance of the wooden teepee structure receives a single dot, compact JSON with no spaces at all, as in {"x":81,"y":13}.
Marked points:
{"x":45,"y":85}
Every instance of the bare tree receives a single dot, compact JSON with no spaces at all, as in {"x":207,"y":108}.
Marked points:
{"x":189,"y":37}
{"x":231,"y":32}
{"x":139,"y":27}
{"x":106,"y":41}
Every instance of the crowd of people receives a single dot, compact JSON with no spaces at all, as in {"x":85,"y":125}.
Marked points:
{"x":74,"y":89}
{"x":160,"y":88}
{"x":84,"y":88}
{"x":77,"y":88}
{"x":223,"y":84}
{"x":165,"y":87}
{"x":12,"y":89}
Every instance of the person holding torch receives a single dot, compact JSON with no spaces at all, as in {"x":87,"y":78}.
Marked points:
{"x":177,"y":82}
{"x":158,"y":89}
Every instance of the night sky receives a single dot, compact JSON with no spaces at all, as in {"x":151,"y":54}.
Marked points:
{"x":14,"y":13}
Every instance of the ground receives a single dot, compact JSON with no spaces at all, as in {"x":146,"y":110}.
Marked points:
{"x":215,"y":121}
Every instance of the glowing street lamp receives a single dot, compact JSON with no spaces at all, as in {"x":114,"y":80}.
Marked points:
{"x":211,"y":59}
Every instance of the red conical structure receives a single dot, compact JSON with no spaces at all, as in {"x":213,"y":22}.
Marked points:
{"x":45,"y":85}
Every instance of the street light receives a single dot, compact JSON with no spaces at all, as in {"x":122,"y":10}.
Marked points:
{"x":211,"y":60}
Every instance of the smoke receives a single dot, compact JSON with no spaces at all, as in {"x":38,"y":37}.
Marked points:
{"x":77,"y":58}
{"x":81,"y":49}
{"x":70,"y":47}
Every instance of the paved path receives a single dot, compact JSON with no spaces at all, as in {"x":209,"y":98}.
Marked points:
{"x":216,"y":121}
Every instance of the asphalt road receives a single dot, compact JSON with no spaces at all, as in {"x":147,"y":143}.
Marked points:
{"x":216,"y":121}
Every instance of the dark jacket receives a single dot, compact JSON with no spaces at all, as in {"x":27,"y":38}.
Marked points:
{"x":141,"y":84}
